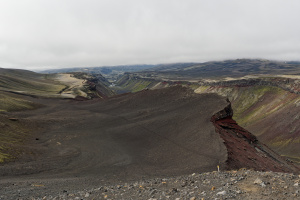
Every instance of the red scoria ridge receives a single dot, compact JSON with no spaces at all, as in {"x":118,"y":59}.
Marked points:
{"x":243,"y":148}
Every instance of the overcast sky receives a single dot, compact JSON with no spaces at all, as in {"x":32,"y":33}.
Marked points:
{"x":42,"y":34}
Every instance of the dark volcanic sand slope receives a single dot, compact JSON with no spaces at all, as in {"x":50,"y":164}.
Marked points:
{"x":159,"y":132}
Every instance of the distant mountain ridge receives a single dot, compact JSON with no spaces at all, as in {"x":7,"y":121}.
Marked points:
{"x":219,"y":69}
{"x":181,"y":71}
{"x":101,"y":70}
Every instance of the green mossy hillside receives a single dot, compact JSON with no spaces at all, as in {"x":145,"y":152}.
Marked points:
{"x":22,"y":81}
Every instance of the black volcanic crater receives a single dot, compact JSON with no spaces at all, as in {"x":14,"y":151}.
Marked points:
{"x":152,"y":133}
{"x":166,"y":133}
{"x":149,"y":133}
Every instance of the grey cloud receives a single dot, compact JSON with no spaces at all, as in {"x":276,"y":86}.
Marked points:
{"x":74,"y":33}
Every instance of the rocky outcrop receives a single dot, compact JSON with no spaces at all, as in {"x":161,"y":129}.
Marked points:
{"x":244,"y":150}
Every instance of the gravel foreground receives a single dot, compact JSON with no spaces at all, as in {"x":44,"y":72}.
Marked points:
{"x":242,"y":184}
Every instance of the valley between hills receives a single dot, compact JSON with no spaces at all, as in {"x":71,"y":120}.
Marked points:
{"x":225,"y":130}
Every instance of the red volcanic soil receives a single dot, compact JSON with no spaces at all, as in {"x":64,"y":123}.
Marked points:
{"x":244,"y":150}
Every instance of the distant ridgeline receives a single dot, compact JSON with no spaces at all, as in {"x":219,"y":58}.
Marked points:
{"x":222,"y":69}
{"x":101,"y":70}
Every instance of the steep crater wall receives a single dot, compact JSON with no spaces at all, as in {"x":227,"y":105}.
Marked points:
{"x":269,"y":112}
{"x":243,"y":148}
